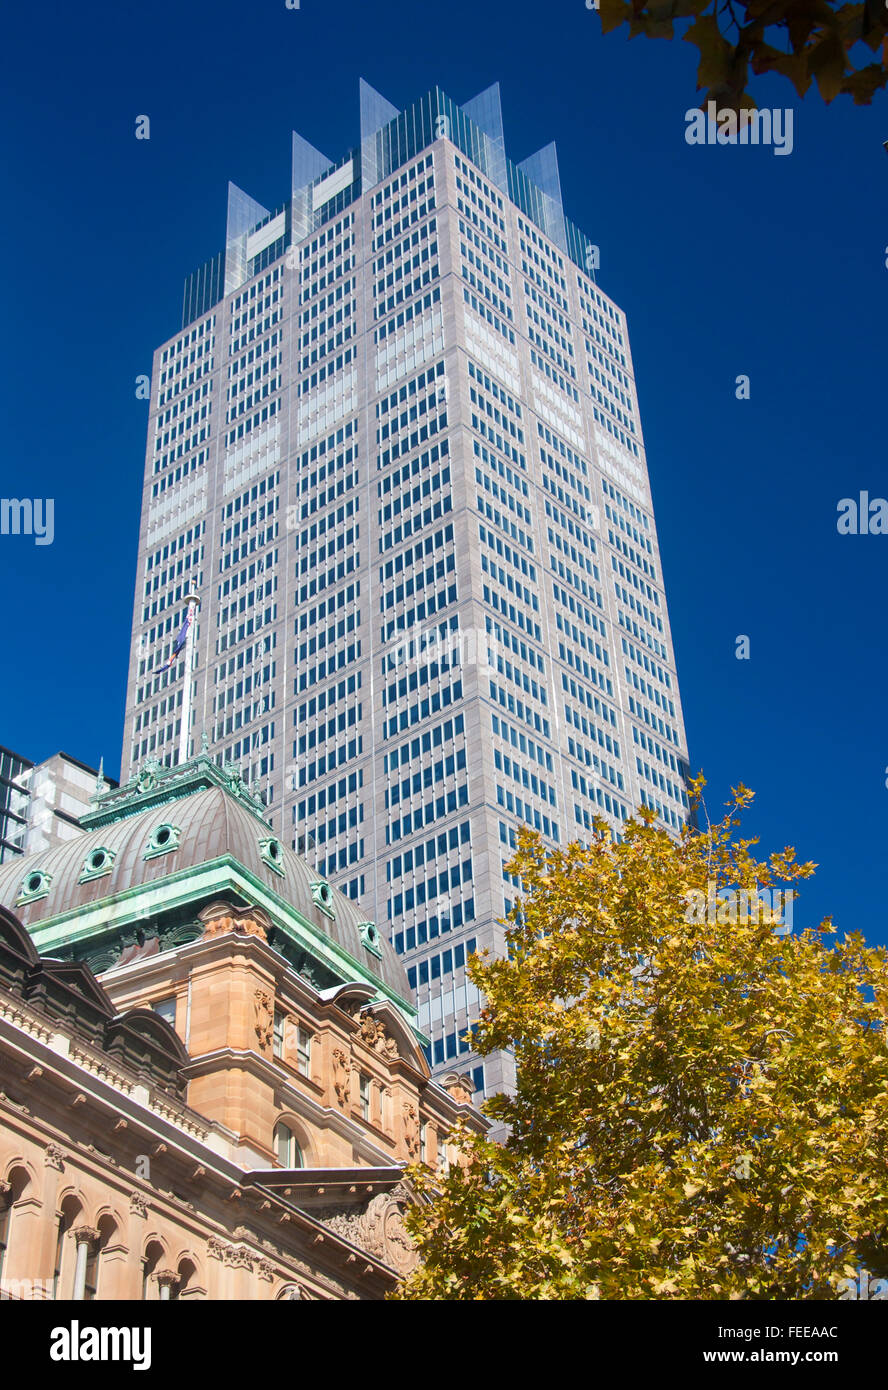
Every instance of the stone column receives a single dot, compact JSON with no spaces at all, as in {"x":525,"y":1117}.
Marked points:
{"x":168,"y":1280}
{"x":84,"y":1236}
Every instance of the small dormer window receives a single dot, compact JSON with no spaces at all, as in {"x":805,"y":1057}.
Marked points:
{"x":322,"y":894}
{"x":34,"y":886}
{"x":370,"y":937}
{"x":97,"y":863}
{"x":272,"y":853}
{"x":164,"y":839}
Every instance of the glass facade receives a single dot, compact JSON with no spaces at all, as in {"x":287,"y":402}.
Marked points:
{"x":394,"y":144}
{"x":401,"y":460}
{"x":14,"y":800}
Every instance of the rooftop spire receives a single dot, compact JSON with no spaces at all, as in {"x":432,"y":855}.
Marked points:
{"x":376,"y":112}
{"x":487,"y":113}
{"x":243,"y":214}
{"x":542,"y":169}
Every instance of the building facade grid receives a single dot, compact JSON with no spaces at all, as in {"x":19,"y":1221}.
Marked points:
{"x":396,"y":449}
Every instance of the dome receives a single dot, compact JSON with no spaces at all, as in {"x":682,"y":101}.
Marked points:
{"x":159,"y":829}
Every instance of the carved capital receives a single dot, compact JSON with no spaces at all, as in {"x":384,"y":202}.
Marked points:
{"x":166,"y":1277}
{"x":85,"y":1235}
{"x":264,"y":1268}
{"x":138,"y":1204}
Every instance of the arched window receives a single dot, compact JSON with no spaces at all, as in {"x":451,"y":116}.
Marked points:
{"x":67,"y":1216}
{"x":106,"y":1228}
{"x":150,"y":1260}
{"x":10,"y":1192}
{"x":186,"y":1272}
{"x":91,"y":1281}
{"x":289,"y":1154}
{"x":5,"y":1209}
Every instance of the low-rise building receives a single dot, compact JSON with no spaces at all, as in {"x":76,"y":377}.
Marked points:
{"x":212,"y":1077}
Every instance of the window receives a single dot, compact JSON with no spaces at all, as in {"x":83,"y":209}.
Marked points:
{"x":97,"y":863}
{"x":63,"y":1271}
{"x":288,"y":1152}
{"x":91,"y":1281}
{"x":57,"y":1266}
{"x":166,"y":1008}
{"x":5,"y":1209}
{"x":364,"y":1091}
{"x":443,"y":1165}
{"x":278,"y":1048}
{"x":303,"y":1051}
{"x":150,"y":1260}
{"x":35,"y":886}
{"x":164,"y":839}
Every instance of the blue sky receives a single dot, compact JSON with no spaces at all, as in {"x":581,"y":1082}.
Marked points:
{"x":727,"y":260}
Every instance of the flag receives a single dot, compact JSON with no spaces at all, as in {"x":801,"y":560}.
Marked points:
{"x":181,"y":639}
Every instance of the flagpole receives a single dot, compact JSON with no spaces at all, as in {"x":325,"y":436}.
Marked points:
{"x":185,"y":730}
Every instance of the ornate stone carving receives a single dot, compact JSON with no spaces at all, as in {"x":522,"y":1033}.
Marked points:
{"x":53,"y":1156}
{"x":341,"y":1077}
{"x":147,"y":776}
{"x":237,"y":1256}
{"x":377,"y":1228}
{"x":264,"y":1268}
{"x":166,"y":1277}
{"x":223,"y":917}
{"x":374,"y":1035}
{"x":411,"y":1130}
{"x":400,"y":1251}
{"x":263,"y":1007}
{"x":85,"y":1235}
{"x":138,"y":1204}
{"x":216,"y":1248}
{"x":461,"y":1088}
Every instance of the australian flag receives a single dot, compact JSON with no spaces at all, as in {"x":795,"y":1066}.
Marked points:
{"x":180,"y":640}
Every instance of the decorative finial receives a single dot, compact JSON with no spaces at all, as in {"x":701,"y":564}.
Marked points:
{"x":101,"y":785}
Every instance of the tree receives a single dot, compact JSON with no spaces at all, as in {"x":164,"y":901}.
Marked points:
{"x":803,"y":40}
{"x":702,"y":1099}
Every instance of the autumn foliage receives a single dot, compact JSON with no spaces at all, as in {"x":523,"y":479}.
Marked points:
{"x":702,"y":1106}
{"x":843,"y":48}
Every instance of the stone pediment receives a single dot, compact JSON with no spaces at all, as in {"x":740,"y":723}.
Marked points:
{"x":376,"y":1226}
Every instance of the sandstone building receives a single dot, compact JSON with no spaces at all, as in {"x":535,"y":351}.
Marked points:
{"x":211,"y":1076}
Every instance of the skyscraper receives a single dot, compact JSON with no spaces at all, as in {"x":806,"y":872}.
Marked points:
{"x":41,"y":803}
{"x":395,"y":448}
